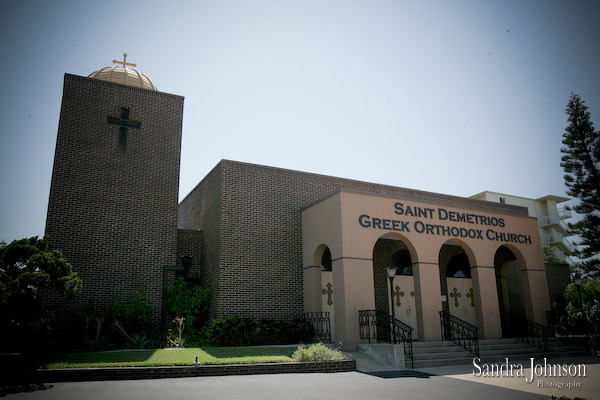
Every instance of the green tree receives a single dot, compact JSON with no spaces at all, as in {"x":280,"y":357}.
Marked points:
{"x":581,"y":163}
{"x":27,"y":268}
{"x":590,"y":300}
{"x":549,"y":256}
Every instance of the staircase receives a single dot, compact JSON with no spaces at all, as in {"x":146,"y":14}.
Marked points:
{"x":435,"y":354}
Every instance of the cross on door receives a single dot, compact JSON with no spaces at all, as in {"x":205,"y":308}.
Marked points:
{"x":472,"y":297}
{"x":328,"y":292}
{"x":124,"y":123}
{"x":456,"y":294}
{"x":398,"y":293}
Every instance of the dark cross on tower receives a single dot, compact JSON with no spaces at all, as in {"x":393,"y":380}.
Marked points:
{"x":124,"y":62}
{"x":328,"y":292}
{"x":398,"y":293}
{"x":124,"y":123}
{"x":456,"y":294}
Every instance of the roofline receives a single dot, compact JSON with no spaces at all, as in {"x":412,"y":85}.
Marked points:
{"x":507,"y":209}
{"x":558,"y":199}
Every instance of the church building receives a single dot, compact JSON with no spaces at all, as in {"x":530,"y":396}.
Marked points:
{"x":271,"y":243}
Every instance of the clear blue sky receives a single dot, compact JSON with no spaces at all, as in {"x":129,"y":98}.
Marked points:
{"x":454,"y":97}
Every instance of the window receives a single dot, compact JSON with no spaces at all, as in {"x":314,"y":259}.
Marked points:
{"x":458,"y":267}
{"x":402,"y":262}
{"x":326,"y":260}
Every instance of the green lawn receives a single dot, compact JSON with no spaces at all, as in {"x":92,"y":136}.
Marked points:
{"x":166,"y":357}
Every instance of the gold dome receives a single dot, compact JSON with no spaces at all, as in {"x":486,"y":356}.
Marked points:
{"x":123,"y":75}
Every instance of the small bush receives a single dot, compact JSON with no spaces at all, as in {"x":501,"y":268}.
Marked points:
{"x":232,"y":331}
{"x":134,"y":315}
{"x":190,"y":302}
{"x":317,"y":352}
{"x":297,"y":330}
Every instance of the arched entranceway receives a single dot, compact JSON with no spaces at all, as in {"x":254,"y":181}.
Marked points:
{"x":456,"y":282}
{"x":509,"y":285}
{"x":392,"y":250}
{"x":326,"y":287}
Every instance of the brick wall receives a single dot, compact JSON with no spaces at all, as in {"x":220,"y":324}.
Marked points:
{"x":250,"y":216}
{"x":189,"y":243}
{"x":112,"y":213}
{"x":558,"y":277}
{"x":202,"y":209}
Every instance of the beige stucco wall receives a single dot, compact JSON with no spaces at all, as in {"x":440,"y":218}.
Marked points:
{"x":336,"y":223}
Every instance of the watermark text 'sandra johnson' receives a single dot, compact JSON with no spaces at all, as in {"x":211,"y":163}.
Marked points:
{"x":539,"y":370}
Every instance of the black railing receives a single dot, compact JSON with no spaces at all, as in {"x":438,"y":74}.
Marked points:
{"x":460,"y":332}
{"x":377,"y":325}
{"x":528,"y":331}
{"x":321,"y":325}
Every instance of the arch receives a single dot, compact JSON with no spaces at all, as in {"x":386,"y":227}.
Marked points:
{"x":326,"y":287}
{"x":456,"y":259}
{"x":318,"y":253}
{"x":397,"y":250}
{"x":409,"y":246}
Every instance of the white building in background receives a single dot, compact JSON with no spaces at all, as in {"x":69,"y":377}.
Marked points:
{"x":553,"y":229}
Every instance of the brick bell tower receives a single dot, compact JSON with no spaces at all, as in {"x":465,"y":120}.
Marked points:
{"x":115,"y":183}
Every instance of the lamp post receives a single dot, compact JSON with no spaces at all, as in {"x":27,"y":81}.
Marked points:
{"x":391,"y":273}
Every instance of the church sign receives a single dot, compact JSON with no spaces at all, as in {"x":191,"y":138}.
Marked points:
{"x":483,"y":227}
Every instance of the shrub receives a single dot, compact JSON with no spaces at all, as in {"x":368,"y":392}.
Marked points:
{"x":297,"y":330}
{"x":92,"y":330}
{"x":232,"y":331}
{"x":317,"y":352}
{"x":134,"y":315}
{"x":590,"y":297}
{"x":190,"y":302}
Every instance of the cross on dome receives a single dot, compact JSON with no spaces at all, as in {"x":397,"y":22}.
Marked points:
{"x":124,"y":63}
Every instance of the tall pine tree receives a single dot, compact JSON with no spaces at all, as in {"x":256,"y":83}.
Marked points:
{"x":581,"y":163}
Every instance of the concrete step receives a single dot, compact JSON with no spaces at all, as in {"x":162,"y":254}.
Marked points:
{"x":441,"y":362}
{"x":426,"y":345}
{"x":460,"y":353}
{"x":510,"y":352}
{"x":446,"y":353}
{"x":440,"y":354}
{"x":516,"y":346}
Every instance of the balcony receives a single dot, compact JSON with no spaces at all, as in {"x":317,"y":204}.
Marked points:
{"x":559,"y":240}
{"x":564,"y":213}
{"x":554,"y":220}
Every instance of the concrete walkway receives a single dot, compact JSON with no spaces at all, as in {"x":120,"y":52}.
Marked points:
{"x":587,"y":387}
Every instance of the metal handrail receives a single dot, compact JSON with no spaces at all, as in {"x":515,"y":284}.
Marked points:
{"x":460,"y":332}
{"x":528,"y":331}
{"x":377,"y":325}
{"x":321,"y":325}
